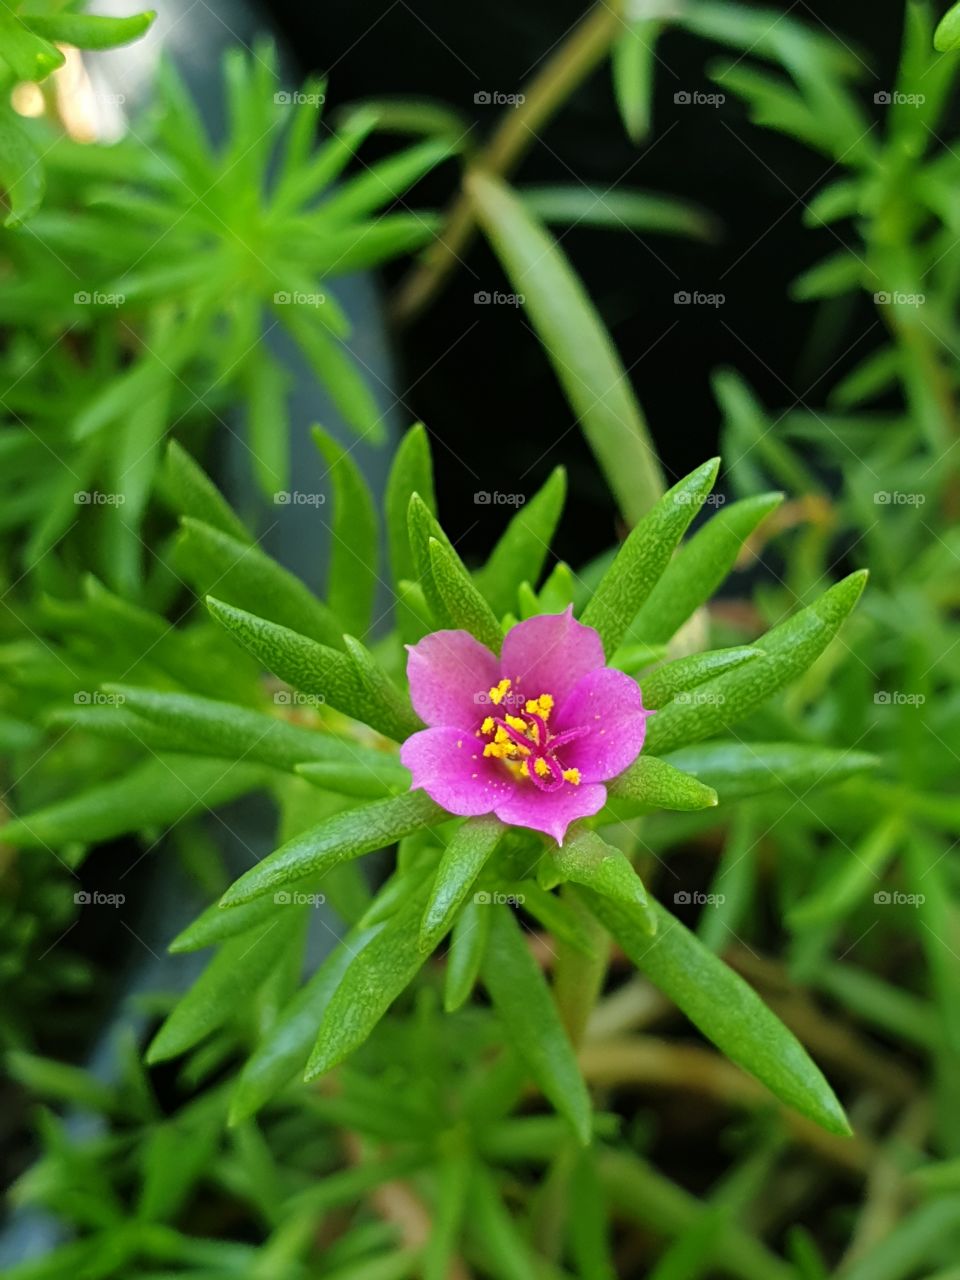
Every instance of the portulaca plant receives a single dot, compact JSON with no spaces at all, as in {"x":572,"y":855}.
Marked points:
{"x":504,"y":738}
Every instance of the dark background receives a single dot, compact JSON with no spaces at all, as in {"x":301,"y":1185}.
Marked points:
{"x":477,"y":375}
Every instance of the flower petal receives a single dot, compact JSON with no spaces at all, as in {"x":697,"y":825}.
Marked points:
{"x":551,"y":812}
{"x":446,"y":670}
{"x":610,"y":705}
{"x":549,"y":654}
{"x":450,"y":766}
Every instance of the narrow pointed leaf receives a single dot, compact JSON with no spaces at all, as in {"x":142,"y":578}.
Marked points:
{"x":788,"y":650}
{"x":644,"y":556}
{"x":587,"y":859}
{"x":225,"y":986}
{"x":411,"y":472}
{"x":523,"y":1000}
{"x":88,"y":31}
{"x":339,"y":838}
{"x":463,"y":602}
{"x":351,"y":682}
{"x":468,"y":946}
{"x":193,"y":493}
{"x":21,"y":169}
{"x":381,"y":776}
{"x":422,"y":525}
{"x":724,"y":1008}
{"x":651,"y":783}
{"x":699,"y":568}
{"x":522,"y":550}
{"x":354,"y":550}
{"x":583,"y":356}
{"x":683,"y":674}
{"x":375,"y":977}
{"x":334,"y":365}
{"x":633,"y":60}
{"x":462,"y":861}
{"x":243,"y":576}
{"x":739,"y":769}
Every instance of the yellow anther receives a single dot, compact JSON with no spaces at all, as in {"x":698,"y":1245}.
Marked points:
{"x":572,"y":775}
{"x":541,"y":767}
{"x":487,"y":726}
{"x":515,"y":722}
{"x":524,"y":769}
{"x":541,"y":706}
{"x":500,"y":691}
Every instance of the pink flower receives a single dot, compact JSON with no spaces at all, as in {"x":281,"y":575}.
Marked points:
{"x":530,"y":736}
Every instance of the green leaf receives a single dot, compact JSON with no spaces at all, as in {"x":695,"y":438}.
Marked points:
{"x":384,"y":182}
{"x":588,"y":860}
{"x":28,"y":56}
{"x":223,"y":729}
{"x":410,"y":473}
{"x":632,"y":62}
{"x":644,"y":556}
{"x":736,"y":770}
{"x":285,"y":1047}
{"x":468,"y":946}
{"x":157,"y":793}
{"x":620,"y":209}
{"x":268,"y":425}
{"x":462,"y":600}
{"x":583,"y":356}
{"x":522,"y":999}
{"x":831,"y":277}
{"x":852,"y":879}
{"x":334,"y":365}
{"x":946,"y":38}
{"x":371,"y":982}
{"x":788,"y":650}
{"x":724,"y":1008}
{"x":225,"y":986}
{"x":650,"y":783}
{"x":376,"y":777}
{"x":243,"y":576}
{"x":521,"y":552}
{"x":85,"y":31}
{"x":422,"y":525}
{"x":337,"y":839}
{"x":699,"y":568}
{"x":673,"y":679}
{"x":61,"y":1082}
{"x":354,"y":555}
{"x":21,"y":170}
{"x":462,"y":861}
{"x":349,"y":681}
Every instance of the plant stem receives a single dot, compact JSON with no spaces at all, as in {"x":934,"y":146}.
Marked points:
{"x":561,"y":75}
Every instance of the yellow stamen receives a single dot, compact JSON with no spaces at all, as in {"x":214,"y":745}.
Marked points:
{"x":500,"y":691}
{"x":524,"y":769}
{"x":541,"y":767}
{"x":572,"y":775}
{"x":515,"y":722}
{"x":487,"y":726}
{"x":541,"y":706}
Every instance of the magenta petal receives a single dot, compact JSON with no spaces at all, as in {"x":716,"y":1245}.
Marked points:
{"x":551,"y":812}
{"x":447,"y":670}
{"x":550,"y":653}
{"x":610,"y":705}
{"x":449,"y":765}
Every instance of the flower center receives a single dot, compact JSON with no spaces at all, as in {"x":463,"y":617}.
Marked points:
{"x":519,"y":736}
